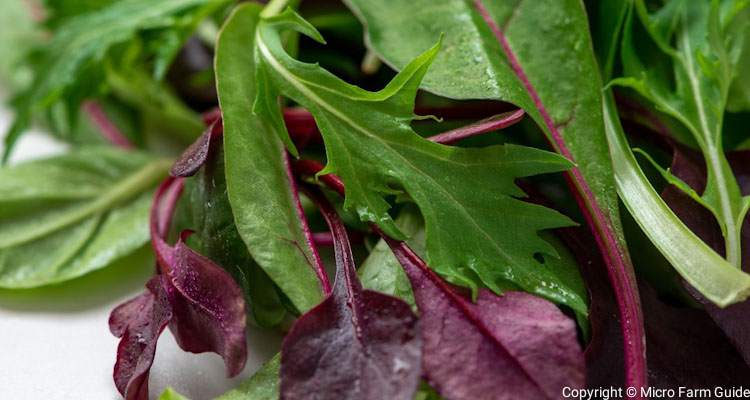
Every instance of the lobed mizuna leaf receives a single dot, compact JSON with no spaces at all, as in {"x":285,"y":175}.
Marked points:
{"x":498,"y":348}
{"x":701,"y":65}
{"x":536,"y":55}
{"x":259,"y":188}
{"x":68,"y":215}
{"x":370,"y":144}
{"x":357,"y":343}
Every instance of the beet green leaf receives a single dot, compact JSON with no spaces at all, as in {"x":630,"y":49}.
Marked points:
{"x":257,"y":182}
{"x":68,"y":215}
{"x":371,"y":145}
{"x":355,"y":344}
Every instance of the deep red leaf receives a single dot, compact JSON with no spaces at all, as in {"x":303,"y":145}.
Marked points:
{"x":208,"y":305}
{"x":515,"y":346}
{"x":138,"y":323}
{"x":356,"y":344}
{"x":193,"y":158}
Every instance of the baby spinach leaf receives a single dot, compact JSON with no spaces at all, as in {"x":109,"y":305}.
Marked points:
{"x":357,"y":343}
{"x":702,"y":66}
{"x":258,"y":185}
{"x":496,"y":348}
{"x":370,"y":144}
{"x":70,"y":66}
{"x":66,"y":216}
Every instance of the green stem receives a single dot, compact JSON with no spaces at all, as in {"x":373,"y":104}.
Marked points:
{"x":273,"y":8}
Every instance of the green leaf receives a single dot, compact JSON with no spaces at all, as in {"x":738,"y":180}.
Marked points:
{"x":171,"y":394}
{"x":263,"y":385}
{"x":69,"y":66}
{"x":738,"y":31}
{"x":381,"y":271}
{"x":257,"y":183}
{"x":550,"y":41}
{"x":697,"y":263}
{"x":65,"y":216}
{"x":702,"y":67}
{"x":371,"y":146}
{"x":216,"y":237}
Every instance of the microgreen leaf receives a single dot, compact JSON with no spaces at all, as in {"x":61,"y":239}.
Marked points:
{"x":702,"y":65}
{"x":356,"y":344}
{"x":258,"y":185}
{"x":536,"y":55}
{"x":370,"y":145}
{"x":70,"y":67}
{"x":496,"y":348}
{"x":68,"y":215}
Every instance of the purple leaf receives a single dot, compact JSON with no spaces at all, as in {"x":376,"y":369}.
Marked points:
{"x":208,"y":305}
{"x":356,"y":344}
{"x":490,"y":124}
{"x":138,"y":322}
{"x":502,"y":347}
{"x":193,"y":158}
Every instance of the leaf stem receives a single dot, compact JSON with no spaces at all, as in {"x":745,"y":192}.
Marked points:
{"x":490,"y":124}
{"x":619,"y":267}
{"x":106,"y":127}
{"x":273,"y":7}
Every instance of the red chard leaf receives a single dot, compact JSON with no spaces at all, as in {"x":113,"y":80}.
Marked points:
{"x":138,"y":322}
{"x":356,"y":344}
{"x":500,"y":348}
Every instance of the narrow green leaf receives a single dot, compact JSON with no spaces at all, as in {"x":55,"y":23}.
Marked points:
{"x":257,"y":183}
{"x":702,"y":62}
{"x":66,"y":216}
{"x":371,"y":146}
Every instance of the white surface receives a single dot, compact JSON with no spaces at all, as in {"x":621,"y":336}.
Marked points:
{"x":55,"y":343}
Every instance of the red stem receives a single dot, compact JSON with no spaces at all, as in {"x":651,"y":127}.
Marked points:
{"x":619,"y":269}
{"x":490,"y":124}
{"x":316,"y":261}
{"x":106,"y":127}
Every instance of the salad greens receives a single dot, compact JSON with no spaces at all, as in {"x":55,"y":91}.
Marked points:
{"x":365,"y":132}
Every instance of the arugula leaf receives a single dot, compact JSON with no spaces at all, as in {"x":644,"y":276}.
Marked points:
{"x":702,"y":69}
{"x":65,"y":216}
{"x":70,"y":67}
{"x":370,"y":144}
{"x":257,"y":182}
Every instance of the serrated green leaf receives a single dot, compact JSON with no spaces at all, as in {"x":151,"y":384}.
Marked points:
{"x":702,"y":58}
{"x":70,"y":66}
{"x":371,"y":146}
{"x":66,"y":216}
{"x":257,"y":183}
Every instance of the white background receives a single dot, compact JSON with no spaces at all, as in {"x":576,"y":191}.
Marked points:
{"x":55,"y":342}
